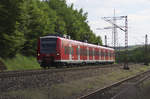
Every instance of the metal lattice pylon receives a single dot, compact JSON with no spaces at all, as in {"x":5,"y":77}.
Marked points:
{"x":112,"y":21}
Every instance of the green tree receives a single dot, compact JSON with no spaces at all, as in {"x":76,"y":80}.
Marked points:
{"x":11,"y":38}
{"x":40,"y":22}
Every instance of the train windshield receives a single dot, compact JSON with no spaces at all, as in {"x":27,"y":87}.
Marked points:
{"x":48,"y":45}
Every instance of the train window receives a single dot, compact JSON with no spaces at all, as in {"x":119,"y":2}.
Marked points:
{"x":85,"y":52}
{"x":81,"y":51}
{"x":99,"y":53}
{"x":72,"y":50}
{"x":77,"y":51}
{"x":93,"y":53}
{"x":114,"y":54}
{"x":103,"y":54}
{"x":65,"y":50}
{"x":90,"y":52}
{"x":69,"y":50}
{"x":62,"y":44}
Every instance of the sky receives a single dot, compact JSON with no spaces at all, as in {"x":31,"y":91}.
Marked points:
{"x":138,"y":12}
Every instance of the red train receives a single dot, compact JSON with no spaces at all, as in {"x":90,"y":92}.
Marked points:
{"x":57,"y":51}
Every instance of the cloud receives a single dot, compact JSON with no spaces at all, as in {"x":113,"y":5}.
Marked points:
{"x":138,"y":12}
{"x":71,"y":1}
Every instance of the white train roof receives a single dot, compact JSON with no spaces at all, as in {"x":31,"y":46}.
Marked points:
{"x":79,"y":42}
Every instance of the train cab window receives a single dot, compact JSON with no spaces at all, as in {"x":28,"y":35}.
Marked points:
{"x":48,"y":45}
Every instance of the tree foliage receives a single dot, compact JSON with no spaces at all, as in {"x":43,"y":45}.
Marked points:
{"x":137,"y":55}
{"x":22,"y":22}
{"x":11,"y":35}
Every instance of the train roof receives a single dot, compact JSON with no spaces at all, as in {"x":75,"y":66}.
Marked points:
{"x":79,"y":42}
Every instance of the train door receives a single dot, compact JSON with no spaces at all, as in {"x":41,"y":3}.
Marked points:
{"x":100,"y":58}
{"x":70,"y":52}
{"x":78,"y":52}
{"x":93,"y":54}
{"x":87,"y":53}
{"x":104,"y":54}
{"x":108,"y":55}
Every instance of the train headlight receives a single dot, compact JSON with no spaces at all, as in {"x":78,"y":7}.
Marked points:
{"x":38,"y":54}
{"x":57,"y":54}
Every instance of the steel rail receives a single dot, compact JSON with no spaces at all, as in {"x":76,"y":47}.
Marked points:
{"x":106,"y":88}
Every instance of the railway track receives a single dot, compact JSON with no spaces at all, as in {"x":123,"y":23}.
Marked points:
{"x":6,"y":74}
{"x":14,"y":80}
{"x":115,"y":90}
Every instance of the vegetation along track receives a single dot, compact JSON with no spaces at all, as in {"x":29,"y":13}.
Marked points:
{"x":14,"y":80}
{"x":120,"y":89}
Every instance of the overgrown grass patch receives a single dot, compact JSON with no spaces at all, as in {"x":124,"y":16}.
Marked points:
{"x":21,"y":62}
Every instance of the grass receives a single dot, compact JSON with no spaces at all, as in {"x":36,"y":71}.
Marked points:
{"x":21,"y":62}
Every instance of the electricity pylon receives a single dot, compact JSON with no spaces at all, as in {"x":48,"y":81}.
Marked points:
{"x":112,"y":20}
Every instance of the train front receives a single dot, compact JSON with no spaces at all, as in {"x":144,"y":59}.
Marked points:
{"x":48,"y":51}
